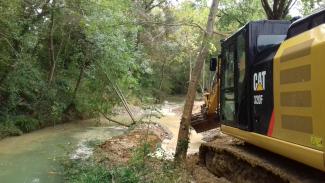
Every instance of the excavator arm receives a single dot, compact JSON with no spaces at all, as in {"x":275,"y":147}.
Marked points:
{"x":208,"y":118}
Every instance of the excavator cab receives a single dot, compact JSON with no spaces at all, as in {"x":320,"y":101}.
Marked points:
{"x":229,"y":101}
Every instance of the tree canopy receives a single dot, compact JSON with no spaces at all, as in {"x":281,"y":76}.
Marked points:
{"x":60,"y":60}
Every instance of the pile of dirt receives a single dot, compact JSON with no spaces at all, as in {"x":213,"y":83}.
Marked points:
{"x":159,"y":130}
{"x":212,"y":135}
{"x":118,"y":150}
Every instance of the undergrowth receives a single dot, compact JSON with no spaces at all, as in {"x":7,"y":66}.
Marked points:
{"x":14,"y":126}
{"x":140,"y":168}
{"x":8,"y":129}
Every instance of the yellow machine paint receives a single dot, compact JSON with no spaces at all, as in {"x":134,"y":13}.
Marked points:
{"x":211,"y":99}
{"x":299,"y":101}
{"x":308,"y":156}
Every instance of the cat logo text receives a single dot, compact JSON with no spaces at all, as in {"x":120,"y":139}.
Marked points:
{"x":259,"y":81}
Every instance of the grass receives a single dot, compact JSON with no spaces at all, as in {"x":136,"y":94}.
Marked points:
{"x":140,"y":168}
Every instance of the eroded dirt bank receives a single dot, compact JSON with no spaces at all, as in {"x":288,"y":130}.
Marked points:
{"x":122,"y":151}
{"x":162,"y":139}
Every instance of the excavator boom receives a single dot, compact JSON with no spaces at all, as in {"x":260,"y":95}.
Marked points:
{"x":209,"y":117}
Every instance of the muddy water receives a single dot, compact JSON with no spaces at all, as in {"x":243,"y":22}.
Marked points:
{"x":172,"y":112}
{"x":33,"y":157}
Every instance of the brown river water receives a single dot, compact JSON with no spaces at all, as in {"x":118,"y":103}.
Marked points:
{"x":34,"y":157}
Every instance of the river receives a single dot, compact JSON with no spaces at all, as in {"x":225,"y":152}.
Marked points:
{"x":34,"y":157}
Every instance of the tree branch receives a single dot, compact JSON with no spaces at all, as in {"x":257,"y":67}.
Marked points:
{"x":289,"y":6}
{"x":154,"y":6}
{"x":8,"y":42}
{"x":181,"y":24}
{"x":239,"y":21}
{"x":110,"y":119}
{"x":267,"y":9}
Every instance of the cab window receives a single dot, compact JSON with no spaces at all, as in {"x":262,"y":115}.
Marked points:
{"x":241,"y":59}
{"x":228,"y":95}
{"x":266,"y":41}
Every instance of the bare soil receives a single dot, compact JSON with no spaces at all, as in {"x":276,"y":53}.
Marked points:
{"x":119,"y":150}
{"x":200,"y":173}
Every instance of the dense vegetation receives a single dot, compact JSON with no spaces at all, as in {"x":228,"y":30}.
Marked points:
{"x":61,"y":59}
{"x":141,"y":167}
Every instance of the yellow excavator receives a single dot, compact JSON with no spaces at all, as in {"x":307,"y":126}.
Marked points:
{"x":268,"y":88}
{"x":209,"y":116}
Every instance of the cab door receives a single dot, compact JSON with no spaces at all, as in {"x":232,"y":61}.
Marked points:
{"x":228,"y":85}
{"x":234,"y":92}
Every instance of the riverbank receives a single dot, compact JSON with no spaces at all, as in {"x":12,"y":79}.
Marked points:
{"x":144,"y":154}
{"x":84,"y":148}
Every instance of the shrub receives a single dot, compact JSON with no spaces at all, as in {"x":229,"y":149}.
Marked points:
{"x":8,"y":129}
{"x":141,"y":168}
{"x":91,"y":172}
{"x":26,"y":124}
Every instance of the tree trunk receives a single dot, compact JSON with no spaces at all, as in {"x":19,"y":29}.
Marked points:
{"x":279,"y":10}
{"x":183,"y":134}
{"x":190,"y":73}
{"x":203,"y":78}
{"x":162,"y":75}
{"x":51,"y":46}
{"x":81,"y":74}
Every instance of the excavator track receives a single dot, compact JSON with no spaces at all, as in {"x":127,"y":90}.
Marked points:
{"x":241,"y":162}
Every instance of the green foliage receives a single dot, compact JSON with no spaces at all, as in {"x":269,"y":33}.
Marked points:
{"x":9,"y":129}
{"x":182,"y":145}
{"x":60,"y":59}
{"x":83,"y":172}
{"x":235,"y":15}
{"x":26,"y":124}
{"x":308,"y":6}
{"x":90,"y":172}
{"x":87,"y":50}
{"x":141,"y":168}
{"x":88,"y":47}
{"x":139,"y":156}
